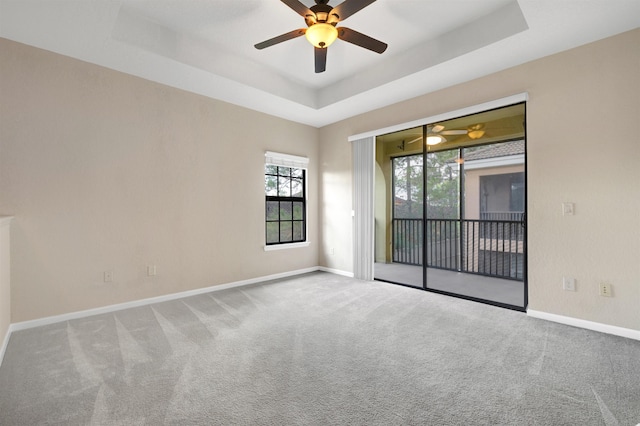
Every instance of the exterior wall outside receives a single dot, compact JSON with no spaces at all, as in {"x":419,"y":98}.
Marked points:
{"x":108,"y":172}
{"x":383,"y":217}
{"x":566,"y":162}
{"x":472,"y":210}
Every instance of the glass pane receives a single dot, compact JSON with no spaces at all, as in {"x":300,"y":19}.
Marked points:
{"x":272,"y":210}
{"x":271,"y":185}
{"x":491,"y":194}
{"x":286,"y":210}
{"x":443,"y":193}
{"x":284,"y":171}
{"x":490,"y":126}
{"x":399,"y":221}
{"x":296,"y":187}
{"x":408,"y":187}
{"x":296,"y":173}
{"x":297,"y":231}
{"x":271,"y":169}
{"x":273,"y":230}
{"x":286,"y":233}
{"x":298,"y":211}
{"x":284,"y":187}
{"x":517,"y":192}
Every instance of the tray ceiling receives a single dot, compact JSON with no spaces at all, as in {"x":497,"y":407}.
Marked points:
{"x":206,"y":46}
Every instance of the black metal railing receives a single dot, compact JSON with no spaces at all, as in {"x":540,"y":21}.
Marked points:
{"x":493,"y":248}
{"x":513,"y":216}
{"x":486,"y":247}
{"x":443,"y":248}
{"x":407,"y":241}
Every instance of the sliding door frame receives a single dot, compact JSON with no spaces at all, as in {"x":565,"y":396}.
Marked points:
{"x":363,"y":247}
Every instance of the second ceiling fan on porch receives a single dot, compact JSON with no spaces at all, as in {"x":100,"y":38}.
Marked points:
{"x":436,"y":133}
{"x":321,"y":30}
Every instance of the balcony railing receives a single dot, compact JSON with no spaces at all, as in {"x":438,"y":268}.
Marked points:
{"x":487,"y":247}
{"x":512,"y":216}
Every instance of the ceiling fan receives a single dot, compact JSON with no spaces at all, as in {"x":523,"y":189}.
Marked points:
{"x":436,"y":133}
{"x":321,"y":21}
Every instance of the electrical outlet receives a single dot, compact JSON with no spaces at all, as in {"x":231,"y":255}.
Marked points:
{"x":108,"y":276}
{"x":606,"y":290}
{"x":332,"y":251}
{"x":569,"y":284}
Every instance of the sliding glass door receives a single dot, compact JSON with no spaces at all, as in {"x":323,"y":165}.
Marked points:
{"x":399,"y":200}
{"x":450,"y":207}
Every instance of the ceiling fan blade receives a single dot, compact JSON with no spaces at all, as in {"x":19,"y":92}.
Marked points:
{"x":349,"y":7}
{"x":359,"y":39}
{"x":454,"y":132}
{"x":320,"y":59}
{"x":279,"y":39}
{"x":435,"y":138}
{"x":299,"y":8}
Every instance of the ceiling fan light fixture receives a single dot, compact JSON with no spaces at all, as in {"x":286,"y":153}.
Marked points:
{"x":476,"y":134}
{"x":435,"y":139}
{"x":321,"y":35}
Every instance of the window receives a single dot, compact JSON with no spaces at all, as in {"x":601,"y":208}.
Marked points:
{"x":516,"y":203}
{"x":285,"y":199}
{"x":501,"y":194}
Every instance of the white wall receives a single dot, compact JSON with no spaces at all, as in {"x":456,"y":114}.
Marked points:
{"x":108,"y":172}
{"x":582,"y":147}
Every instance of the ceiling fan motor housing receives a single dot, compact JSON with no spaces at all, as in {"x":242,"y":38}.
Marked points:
{"x":323,"y":15}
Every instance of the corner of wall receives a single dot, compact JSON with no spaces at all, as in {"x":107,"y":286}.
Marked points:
{"x":5,"y":283}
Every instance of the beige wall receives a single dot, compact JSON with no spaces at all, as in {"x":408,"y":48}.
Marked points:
{"x":582,"y":123}
{"x":105,"y":171}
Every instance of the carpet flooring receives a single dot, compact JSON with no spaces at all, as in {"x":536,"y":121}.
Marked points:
{"x":318,"y":349}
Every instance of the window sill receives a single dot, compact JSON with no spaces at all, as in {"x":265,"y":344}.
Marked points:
{"x":286,"y":246}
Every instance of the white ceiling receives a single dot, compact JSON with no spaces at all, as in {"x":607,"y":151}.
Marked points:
{"x":206,"y":46}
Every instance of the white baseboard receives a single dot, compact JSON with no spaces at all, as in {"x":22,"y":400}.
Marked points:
{"x":589,"y":325}
{"x":143,"y":302}
{"x":335,"y":271}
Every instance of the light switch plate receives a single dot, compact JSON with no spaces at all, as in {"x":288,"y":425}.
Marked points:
{"x":151,"y":270}
{"x":567,"y":209}
{"x":569,"y":284}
